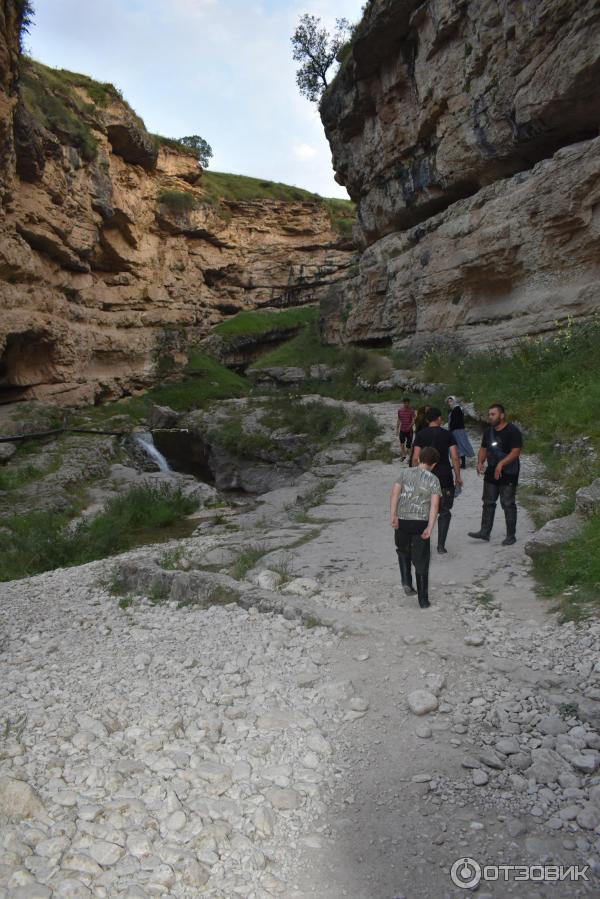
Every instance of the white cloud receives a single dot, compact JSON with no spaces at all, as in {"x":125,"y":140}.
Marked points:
{"x":303,"y":152}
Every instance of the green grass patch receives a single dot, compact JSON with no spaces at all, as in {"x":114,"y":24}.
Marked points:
{"x":261,"y":321}
{"x":574,"y":567}
{"x":246,"y":560}
{"x":171,"y":558}
{"x":551,"y":386}
{"x":217,"y":595}
{"x":342,"y":215}
{"x":42,"y":541}
{"x":177,"y":202}
{"x":49,"y":96}
{"x":161,"y":141}
{"x":311,"y":621}
{"x":321,"y":422}
{"x":302,"y":351}
{"x":225,"y":186}
{"x":12,"y":478}
{"x":229,"y":433}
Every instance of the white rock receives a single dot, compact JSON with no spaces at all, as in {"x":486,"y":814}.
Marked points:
{"x":421,"y":702}
{"x":138,"y":844}
{"x":474,"y":639}
{"x":176,"y":821}
{"x":283,"y":799}
{"x":18,"y":800}
{"x":71,"y":889}
{"x":105,"y":853}
{"x":317,"y":742}
{"x":264,"y":820}
{"x":269,"y":580}
{"x":358,"y":704}
{"x":213,"y":772}
{"x":301,"y":586}
{"x":423,"y":731}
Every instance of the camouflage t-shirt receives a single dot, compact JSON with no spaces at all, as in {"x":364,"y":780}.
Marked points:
{"x":418,"y":486}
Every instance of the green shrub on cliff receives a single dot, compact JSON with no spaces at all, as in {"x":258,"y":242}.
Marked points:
{"x":177,"y":202}
{"x":51,"y":99}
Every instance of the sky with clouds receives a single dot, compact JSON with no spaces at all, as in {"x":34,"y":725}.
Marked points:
{"x":219,"y":68}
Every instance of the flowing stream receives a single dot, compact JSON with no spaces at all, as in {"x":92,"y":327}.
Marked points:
{"x":147,"y":443}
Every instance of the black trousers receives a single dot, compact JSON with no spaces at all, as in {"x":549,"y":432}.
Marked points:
{"x":507,"y":493}
{"x":406,"y":437}
{"x":411,"y":546}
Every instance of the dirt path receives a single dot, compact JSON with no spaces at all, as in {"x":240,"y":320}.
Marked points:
{"x":205,"y":735}
{"x":405,"y":808}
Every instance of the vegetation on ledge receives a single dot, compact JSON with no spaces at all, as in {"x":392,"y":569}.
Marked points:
{"x":42,"y":541}
{"x":260,"y":322}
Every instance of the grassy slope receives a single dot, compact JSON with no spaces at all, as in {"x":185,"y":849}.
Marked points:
{"x":259,"y":322}
{"x":552,"y":388}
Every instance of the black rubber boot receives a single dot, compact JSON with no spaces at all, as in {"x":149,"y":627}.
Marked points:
{"x":443,"y":526}
{"x":406,"y":575}
{"x":511,"y":527}
{"x":423,"y":590}
{"x":487,"y":522}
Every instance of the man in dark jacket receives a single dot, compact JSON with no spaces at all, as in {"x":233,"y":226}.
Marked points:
{"x":498,"y":462}
{"x":438,"y":437}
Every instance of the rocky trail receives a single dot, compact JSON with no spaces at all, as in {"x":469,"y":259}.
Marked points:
{"x":302,"y":730}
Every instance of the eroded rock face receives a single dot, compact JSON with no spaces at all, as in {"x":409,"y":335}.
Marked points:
{"x":512,"y":260}
{"x":103,"y":271}
{"x":466,"y":133}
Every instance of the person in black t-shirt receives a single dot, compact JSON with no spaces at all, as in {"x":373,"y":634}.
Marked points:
{"x":438,"y":437}
{"x":498,"y":462}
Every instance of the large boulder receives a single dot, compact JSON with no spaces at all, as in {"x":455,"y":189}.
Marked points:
{"x":133,"y":144}
{"x":587,"y":499}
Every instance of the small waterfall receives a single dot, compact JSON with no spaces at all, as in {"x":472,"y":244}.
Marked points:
{"x":146,"y":442}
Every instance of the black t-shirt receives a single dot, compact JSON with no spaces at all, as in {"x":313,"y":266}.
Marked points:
{"x":498,"y":445}
{"x":441,"y":440}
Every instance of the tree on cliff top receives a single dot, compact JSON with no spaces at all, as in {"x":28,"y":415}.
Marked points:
{"x":202,"y":149}
{"x":317,"y":50}
{"x":25,"y":12}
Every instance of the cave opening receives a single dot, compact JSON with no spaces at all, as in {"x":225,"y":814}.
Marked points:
{"x":28,"y":359}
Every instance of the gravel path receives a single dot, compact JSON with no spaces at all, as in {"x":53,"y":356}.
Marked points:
{"x":160,"y":750}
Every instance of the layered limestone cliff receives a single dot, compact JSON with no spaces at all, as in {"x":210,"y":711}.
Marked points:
{"x":113,"y":252}
{"x":466,"y":131}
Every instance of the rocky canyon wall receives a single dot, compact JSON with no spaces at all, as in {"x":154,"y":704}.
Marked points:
{"x":112,"y":251}
{"x":467,"y":133}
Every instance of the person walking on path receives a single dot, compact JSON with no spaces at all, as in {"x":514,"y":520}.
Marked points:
{"x":438,"y":437}
{"x":414,"y":506}
{"x":456,"y":426}
{"x":404,"y":427}
{"x":498,"y":461}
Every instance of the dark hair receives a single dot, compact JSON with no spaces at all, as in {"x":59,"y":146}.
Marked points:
{"x":433,"y":414}
{"x":406,"y":400}
{"x":429,"y":456}
{"x":499,"y":407}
